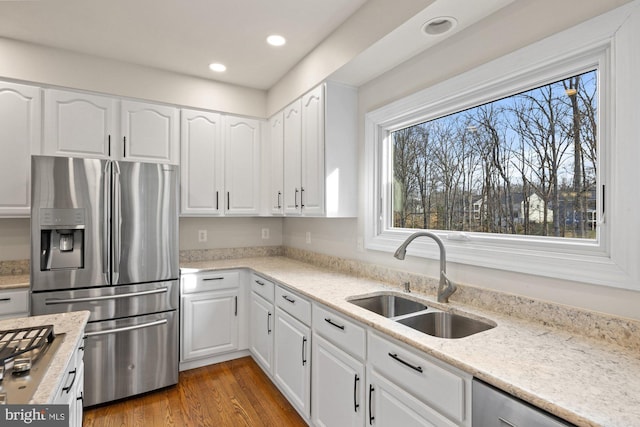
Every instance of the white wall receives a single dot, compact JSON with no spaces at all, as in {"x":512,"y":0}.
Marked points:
{"x":15,"y":243}
{"x":221,"y":232}
{"x":524,"y":23}
{"x":229,"y":232}
{"x":38,"y":64}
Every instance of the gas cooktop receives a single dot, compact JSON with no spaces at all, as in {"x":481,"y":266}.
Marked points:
{"x":25,"y":355}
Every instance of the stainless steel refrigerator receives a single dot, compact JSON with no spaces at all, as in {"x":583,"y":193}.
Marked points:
{"x":104,"y":238}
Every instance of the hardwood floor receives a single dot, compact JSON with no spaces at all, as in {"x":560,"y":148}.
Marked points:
{"x":234,"y":393}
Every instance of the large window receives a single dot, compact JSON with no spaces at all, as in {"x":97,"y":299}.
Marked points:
{"x":525,"y":164}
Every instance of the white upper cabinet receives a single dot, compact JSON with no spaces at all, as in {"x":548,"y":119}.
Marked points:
{"x":79,"y":124}
{"x":220,"y":164}
{"x":292,"y":157}
{"x":85,"y":125}
{"x":149,"y":132}
{"x":20,"y":118}
{"x":242,"y":165}
{"x":276,"y":145}
{"x":202,"y":164}
{"x":320,"y":153}
{"x":312,"y":183}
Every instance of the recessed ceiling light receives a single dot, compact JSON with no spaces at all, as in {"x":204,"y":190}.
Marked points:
{"x":217,"y":67}
{"x":439,"y":25}
{"x":276,"y":40}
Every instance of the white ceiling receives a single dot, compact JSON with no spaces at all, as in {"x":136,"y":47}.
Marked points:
{"x":182,"y":36}
{"x":185,"y":36}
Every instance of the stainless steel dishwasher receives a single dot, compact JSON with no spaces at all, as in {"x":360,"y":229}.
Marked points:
{"x":494,"y":408}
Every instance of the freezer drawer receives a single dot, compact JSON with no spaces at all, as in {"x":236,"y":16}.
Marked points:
{"x":129,"y":356}
{"x":110,"y":302}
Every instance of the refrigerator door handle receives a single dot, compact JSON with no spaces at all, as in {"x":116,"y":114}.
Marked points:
{"x":51,"y":301}
{"x":106,"y":223}
{"x":116,"y":219}
{"x":126,"y":328}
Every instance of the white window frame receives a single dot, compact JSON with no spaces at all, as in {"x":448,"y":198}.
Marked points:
{"x":609,"y":259}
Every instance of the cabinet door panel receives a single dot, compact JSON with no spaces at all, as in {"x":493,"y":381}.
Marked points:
{"x":389,"y":405}
{"x":202,"y":163}
{"x":292,"y":157}
{"x":19,"y":132}
{"x":261,"y":340}
{"x":79,"y":124}
{"x":276,"y":174}
{"x":338,"y":386}
{"x":150,"y":132}
{"x":242,"y":166}
{"x":292,"y":360}
{"x":210,"y":323}
{"x":312,"y":201}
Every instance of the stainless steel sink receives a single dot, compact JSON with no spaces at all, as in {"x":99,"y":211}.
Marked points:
{"x":445,"y":325}
{"x":389,"y":305}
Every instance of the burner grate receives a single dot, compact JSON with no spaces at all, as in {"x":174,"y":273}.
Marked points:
{"x":14,"y":342}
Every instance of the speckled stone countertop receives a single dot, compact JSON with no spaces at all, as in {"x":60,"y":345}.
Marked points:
{"x":72,"y":324}
{"x":14,"y":282}
{"x":582,"y":380}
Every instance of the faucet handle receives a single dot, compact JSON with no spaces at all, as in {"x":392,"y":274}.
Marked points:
{"x":446,"y":288}
{"x":407,"y":287}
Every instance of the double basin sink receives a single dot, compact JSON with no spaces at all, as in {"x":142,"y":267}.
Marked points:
{"x":423,"y":318}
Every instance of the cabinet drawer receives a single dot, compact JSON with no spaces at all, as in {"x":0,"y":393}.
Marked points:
{"x":263,"y":287}
{"x":209,"y":281}
{"x":14,"y":302}
{"x":342,"y":332}
{"x":425,"y":379}
{"x":293,"y":304}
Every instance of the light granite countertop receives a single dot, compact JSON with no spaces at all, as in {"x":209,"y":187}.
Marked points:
{"x":582,"y":380}
{"x":72,"y":324}
{"x":14,"y":282}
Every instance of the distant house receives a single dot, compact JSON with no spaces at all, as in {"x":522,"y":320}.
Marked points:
{"x":536,"y":209}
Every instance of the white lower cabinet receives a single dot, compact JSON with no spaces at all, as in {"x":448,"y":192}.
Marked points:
{"x":209,"y":311}
{"x":262,"y":322}
{"x":14,"y":303}
{"x":261,"y":331}
{"x":338,"y":370}
{"x":72,"y":387}
{"x":333,"y":370}
{"x":292,"y":353}
{"x":404,"y":383}
{"x":338,"y":383}
{"x":390,"y":405}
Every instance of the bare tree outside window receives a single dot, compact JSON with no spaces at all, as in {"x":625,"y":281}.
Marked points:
{"x":522,"y":165}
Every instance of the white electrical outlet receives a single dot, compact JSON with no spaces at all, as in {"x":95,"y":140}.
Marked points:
{"x":265,"y":233}
{"x":308,"y":238}
{"x":202,"y":235}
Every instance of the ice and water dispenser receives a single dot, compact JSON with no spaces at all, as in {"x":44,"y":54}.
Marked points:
{"x":62,"y":239}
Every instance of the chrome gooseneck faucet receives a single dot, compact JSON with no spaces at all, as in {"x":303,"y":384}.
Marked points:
{"x":446,"y":287}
